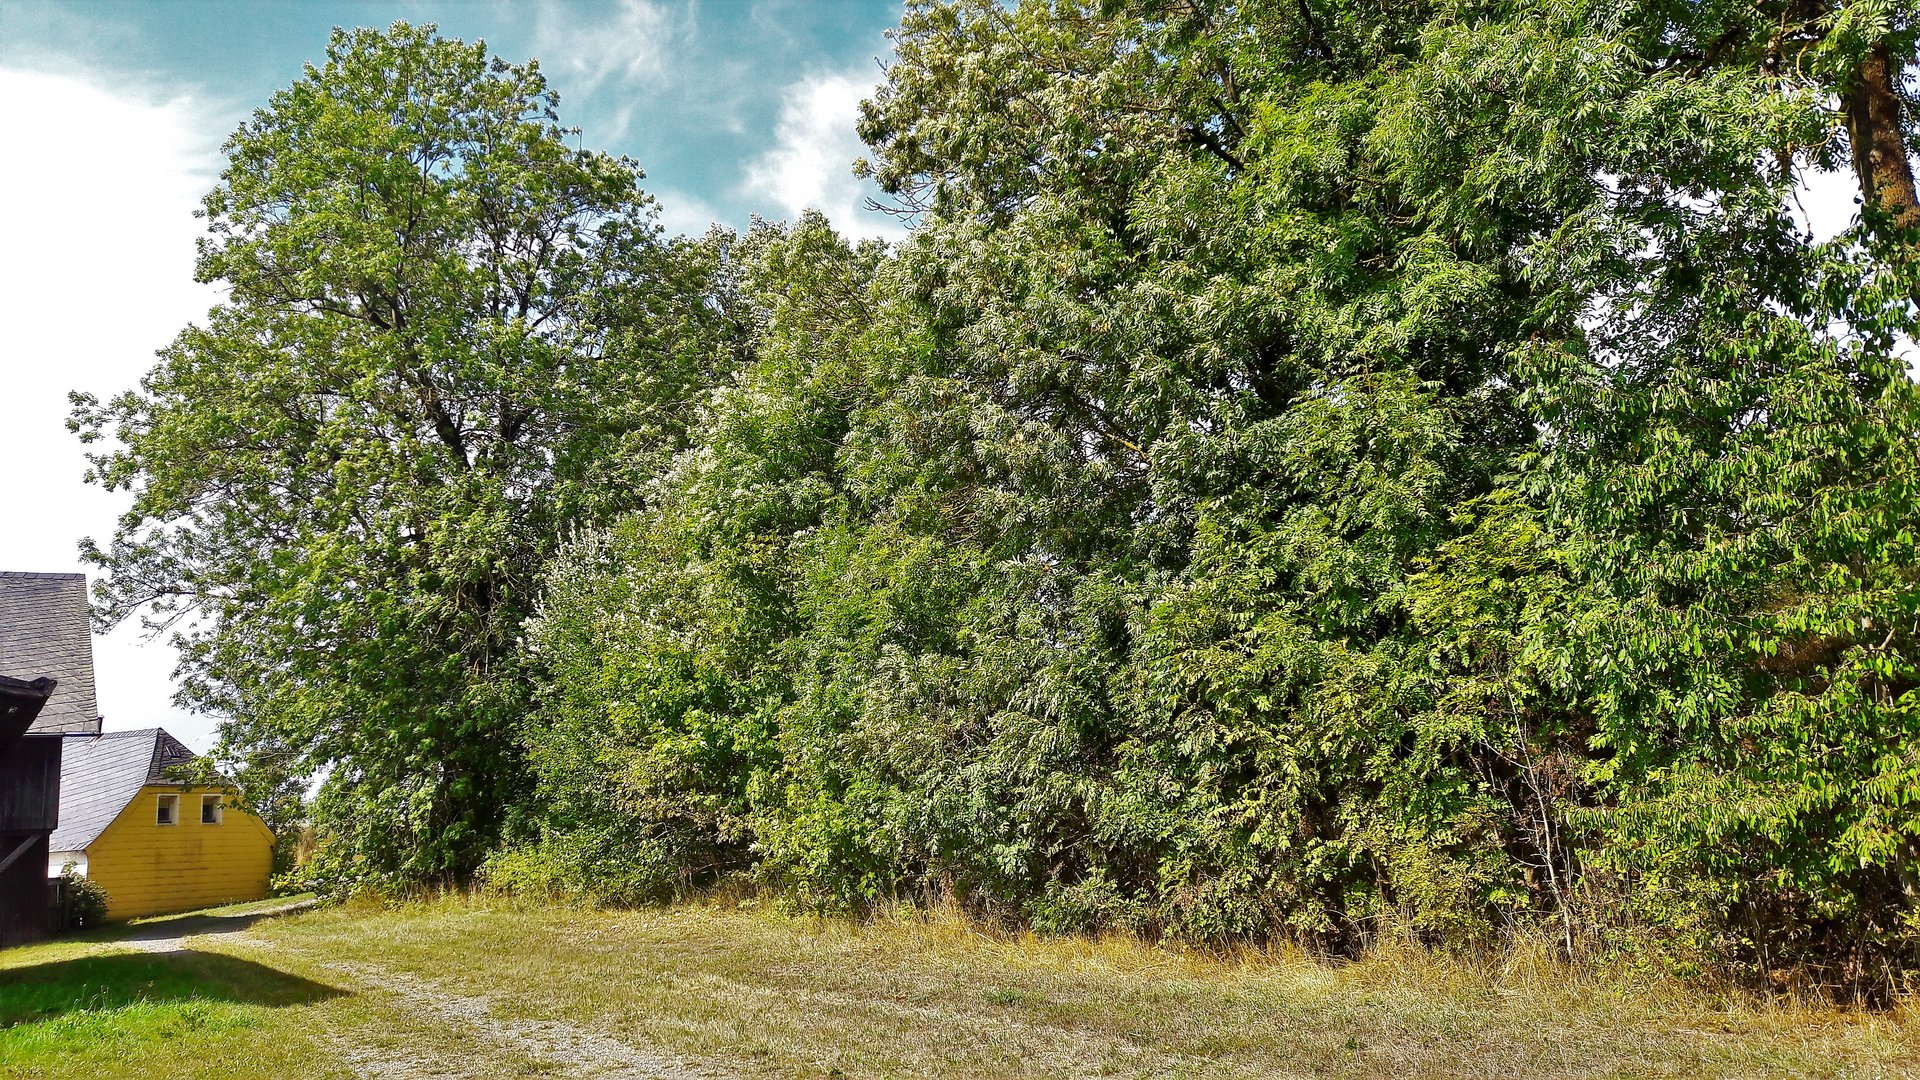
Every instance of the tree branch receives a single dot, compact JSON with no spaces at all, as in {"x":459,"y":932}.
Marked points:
{"x":1880,"y":162}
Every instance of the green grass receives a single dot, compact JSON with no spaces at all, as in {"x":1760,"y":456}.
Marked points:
{"x":68,"y":1010}
{"x":466,"y":987}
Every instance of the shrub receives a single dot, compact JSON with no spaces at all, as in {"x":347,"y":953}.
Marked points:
{"x":81,"y":902}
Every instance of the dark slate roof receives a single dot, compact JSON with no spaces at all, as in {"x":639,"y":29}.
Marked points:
{"x":44,"y":631}
{"x":100,"y":776}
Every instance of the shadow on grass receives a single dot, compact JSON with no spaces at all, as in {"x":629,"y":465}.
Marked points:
{"x":101,"y":983}
{"x":191,"y":924}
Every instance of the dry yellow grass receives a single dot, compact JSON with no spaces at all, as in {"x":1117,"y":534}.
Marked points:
{"x":472,"y":987}
{"x":932,"y":995}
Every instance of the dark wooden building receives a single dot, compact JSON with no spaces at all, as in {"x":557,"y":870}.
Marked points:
{"x":46,"y":696}
{"x":29,"y":808}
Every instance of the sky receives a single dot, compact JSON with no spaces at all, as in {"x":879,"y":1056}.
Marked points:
{"x":114,"y":120}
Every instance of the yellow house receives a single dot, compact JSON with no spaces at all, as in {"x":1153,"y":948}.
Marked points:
{"x":154,"y":844}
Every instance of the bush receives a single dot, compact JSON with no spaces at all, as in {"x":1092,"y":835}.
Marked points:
{"x":80,"y":901}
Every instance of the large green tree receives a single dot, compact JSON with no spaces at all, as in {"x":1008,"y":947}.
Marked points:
{"x":1316,"y":465}
{"x":449,"y":338}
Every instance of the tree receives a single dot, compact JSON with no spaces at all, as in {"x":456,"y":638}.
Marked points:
{"x":450,"y":338}
{"x":1314,"y":467}
{"x":1733,"y":485}
{"x":660,"y":644}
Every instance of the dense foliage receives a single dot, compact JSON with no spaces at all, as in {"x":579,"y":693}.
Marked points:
{"x":1313,"y":468}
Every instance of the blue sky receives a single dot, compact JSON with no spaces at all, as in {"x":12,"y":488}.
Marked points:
{"x":116,"y":112}
{"x":734,"y":107}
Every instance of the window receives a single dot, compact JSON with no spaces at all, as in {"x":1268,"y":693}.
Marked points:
{"x":169,"y":813}
{"x":209,"y":809}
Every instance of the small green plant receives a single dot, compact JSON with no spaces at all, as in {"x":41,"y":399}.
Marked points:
{"x":82,"y":901}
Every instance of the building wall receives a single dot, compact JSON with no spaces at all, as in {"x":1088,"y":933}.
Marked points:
{"x":58,"y":860}
{"x":23,"y":890}
{"x":30,"y":784}
{"x":29,"y":805}
{"x":153,"y":869}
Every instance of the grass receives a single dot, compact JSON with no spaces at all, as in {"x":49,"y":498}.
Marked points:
{"x":97,"y":1004}
{"x":91,"y":1009}
{"x":469,"y":987}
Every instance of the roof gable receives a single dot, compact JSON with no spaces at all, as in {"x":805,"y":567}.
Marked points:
{"x":99,"y":777}
{"x":44,"y":631}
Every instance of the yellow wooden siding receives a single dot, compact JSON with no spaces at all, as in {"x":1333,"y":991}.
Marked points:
{"x":153,"y":869}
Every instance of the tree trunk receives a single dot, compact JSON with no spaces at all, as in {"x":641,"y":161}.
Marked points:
{"x":1880,"y":161}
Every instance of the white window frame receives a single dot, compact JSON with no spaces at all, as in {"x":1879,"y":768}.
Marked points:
{"x":219,"y":805}
{"x":173,"y":803}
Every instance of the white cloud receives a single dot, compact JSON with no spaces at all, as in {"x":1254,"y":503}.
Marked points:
{"x":630,"y":45}
{"x":811,"y":163}
{"x":605,"y":57}
{"x":96,"y":222}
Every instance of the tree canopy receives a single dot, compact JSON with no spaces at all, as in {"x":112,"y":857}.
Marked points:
{"x":450,"y":339}
{"x":1312,"y":469}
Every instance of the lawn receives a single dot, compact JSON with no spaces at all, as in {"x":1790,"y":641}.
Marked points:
{"x":471,"y":988}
